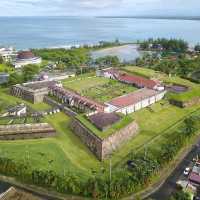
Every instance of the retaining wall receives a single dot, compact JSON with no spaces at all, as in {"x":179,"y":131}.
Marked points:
{"x":26,"y":131}
{"x":62,"y":107}
{"x":102,"y":148}
{"x":184,"y":104}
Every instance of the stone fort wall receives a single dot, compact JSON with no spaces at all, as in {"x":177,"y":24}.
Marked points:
{"x":26,"y":131}
{"x":184,"y":104}
{"x":102,"y":148}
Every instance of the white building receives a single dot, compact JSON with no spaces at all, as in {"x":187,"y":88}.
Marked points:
{"x":134,"y":101}
{"x":26,"y":58}
{"x":17,"y":110}
{"x":7,"y":53}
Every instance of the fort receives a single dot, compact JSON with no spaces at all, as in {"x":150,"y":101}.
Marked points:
{"x":32,"y":91}
{"x":102,"y":148}
{"x":102,"y":116}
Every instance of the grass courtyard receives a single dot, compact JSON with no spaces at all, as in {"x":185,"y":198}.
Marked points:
{"x":98,"y":88}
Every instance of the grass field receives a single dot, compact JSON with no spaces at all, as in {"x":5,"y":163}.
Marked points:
{"x":98,"y":88}
{"x":160,"y":119}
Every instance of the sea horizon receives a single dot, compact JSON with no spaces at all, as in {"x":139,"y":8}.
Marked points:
{"x":25,"y":32}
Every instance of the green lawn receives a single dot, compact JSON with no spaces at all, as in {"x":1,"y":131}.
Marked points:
{"x":98,"y":88}
{"x":153,"y":122}
{"x":141,"y":71}
{"x":65,"y":151}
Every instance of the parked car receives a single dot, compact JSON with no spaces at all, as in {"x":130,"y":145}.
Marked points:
{"x":186,"y":171}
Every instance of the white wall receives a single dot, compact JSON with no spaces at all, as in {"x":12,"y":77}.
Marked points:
{"x":142,"y":104}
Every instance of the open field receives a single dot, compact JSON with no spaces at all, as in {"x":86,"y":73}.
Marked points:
{"x":160,"y":119}
{"x":98,"y":88}
{"x":63,"y":153}
{"x":149,"y":73}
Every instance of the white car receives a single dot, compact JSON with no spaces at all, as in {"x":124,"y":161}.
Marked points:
{"x":186,"y":171}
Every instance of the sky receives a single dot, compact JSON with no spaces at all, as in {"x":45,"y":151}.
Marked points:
{"x":99,"y":7}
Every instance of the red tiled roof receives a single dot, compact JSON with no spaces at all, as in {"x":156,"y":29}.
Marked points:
{"x":137,"y":80}
{"x":25,"y":55}
{"x":133,"y":98}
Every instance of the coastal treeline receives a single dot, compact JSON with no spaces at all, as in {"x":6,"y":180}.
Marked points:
{"x":171,"y":57}
{"x":133,"y":174}
{"x":172,"y":45}
{"x":181,"y":65}
{"x":71,"y":58}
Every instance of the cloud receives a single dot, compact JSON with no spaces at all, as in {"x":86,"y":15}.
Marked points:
{"x":98,"y":7}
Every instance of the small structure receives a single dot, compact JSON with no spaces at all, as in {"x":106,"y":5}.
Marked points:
{"x":7,"y":53}
{"x":134,"y":101}
{"x":18,"y":110}
{"x":108,"y":73}
{"x":104,"y":120}
{"x":33,"y":91}
{"x":25,"y":58}
{"x":4,"y":77}
{"x":55,"y":76}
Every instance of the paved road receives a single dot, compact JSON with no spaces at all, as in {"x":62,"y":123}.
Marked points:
{"x":170,"y":184}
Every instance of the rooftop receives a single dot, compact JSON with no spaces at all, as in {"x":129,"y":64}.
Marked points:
{"x":137,"y":80}
{"x":104,"y":120}
{"x":25,"y":55}
{"x":77,"y":97}
{"x":132,"y":98}
{"x":194,"y":177}
{"x":39,"y":84}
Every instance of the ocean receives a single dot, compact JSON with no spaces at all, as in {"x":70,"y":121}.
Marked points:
{"x":43,"y":32}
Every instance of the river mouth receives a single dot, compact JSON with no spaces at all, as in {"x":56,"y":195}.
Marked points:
{"x":125,"y":53}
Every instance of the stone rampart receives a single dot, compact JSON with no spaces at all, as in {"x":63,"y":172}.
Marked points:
{"x":102,"y":148}
{"x":26,"y":131}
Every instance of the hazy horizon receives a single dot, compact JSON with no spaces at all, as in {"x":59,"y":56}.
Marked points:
{"x":99,"y":8}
